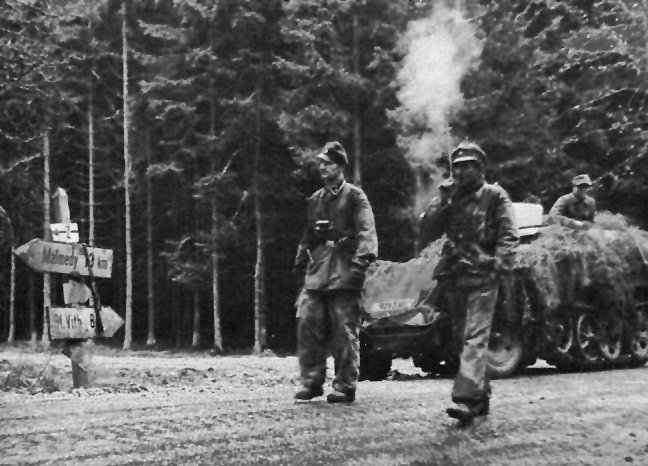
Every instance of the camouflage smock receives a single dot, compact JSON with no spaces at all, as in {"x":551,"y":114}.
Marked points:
{"x":327,"y":262}
{"x":480,"y":228}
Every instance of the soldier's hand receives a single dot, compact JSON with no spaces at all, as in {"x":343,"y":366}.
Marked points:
{"x":358,"y":272}
{"x":446,"y":190}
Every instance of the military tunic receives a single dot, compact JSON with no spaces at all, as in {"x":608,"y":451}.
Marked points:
{"x":333,"y":264}
{"x":481,"y":238}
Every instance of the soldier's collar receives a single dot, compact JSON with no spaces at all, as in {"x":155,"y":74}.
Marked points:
{"x":334,"y":190}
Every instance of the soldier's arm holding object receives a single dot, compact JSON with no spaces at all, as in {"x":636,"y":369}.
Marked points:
{"x":434,"y":219}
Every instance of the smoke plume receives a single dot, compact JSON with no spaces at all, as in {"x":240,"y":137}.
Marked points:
{"x":438,"y":51}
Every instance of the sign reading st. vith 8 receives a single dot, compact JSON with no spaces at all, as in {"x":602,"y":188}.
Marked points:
{"x":43,"y":256}
{"x":80,"y":322}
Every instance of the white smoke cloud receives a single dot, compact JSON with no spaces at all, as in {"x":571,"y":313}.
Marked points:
{"x":439,"y":51}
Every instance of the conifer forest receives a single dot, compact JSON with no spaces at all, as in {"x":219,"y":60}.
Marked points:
{"x":185,"y":133}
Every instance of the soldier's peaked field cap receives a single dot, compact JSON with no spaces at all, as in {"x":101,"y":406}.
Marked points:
{"x":334,"y":152}
{"x":582,"y":179}
{"x":467,"y":151}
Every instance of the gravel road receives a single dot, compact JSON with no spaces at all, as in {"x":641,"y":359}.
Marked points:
{"x":239,"y":411}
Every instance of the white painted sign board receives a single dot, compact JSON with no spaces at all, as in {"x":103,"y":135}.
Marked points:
{"x":65,"y":232}
{"x":80,"y":322}
{"x":45,"y":256}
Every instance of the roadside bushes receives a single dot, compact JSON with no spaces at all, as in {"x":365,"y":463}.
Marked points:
{"x":26,"y":378}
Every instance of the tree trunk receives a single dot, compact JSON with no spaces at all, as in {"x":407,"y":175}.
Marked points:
{"x":127,"y":169}
{"x":32,"y":308}
{"x":12,"y":307}
{"x":357,"y":176}
{"x":179,"y":316}
{"x":195,"y":339}
{"x":218,"y":337}
{"x":260,"y":342}
{"x":150,"y":341}
{"x":47,"y":233}
{"x":91,"y":189}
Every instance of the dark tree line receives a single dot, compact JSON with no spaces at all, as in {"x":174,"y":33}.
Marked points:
{"x":185,"y":132}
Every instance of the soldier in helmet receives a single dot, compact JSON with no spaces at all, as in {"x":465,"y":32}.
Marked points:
{"x":577,"y":205}
{"x":337,"y":247}
{"x":478,"y":220}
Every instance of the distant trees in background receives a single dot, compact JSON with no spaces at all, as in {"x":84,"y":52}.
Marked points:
{"x":185,"y":132}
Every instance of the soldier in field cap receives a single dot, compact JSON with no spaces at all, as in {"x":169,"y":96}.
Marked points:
{"x":338,"y":245}
{"x":478,"y":221}
{"x":577,"y":205}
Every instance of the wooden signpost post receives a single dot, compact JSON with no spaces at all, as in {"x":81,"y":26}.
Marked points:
{"x":75,"y":324}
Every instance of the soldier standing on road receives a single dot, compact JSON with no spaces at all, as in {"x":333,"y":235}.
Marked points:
{"x":478,"y":220}
{"x":577,"y":205}
{"x":337,"y":247}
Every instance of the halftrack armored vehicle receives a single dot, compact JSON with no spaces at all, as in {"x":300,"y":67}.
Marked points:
{"x":577,"y":298}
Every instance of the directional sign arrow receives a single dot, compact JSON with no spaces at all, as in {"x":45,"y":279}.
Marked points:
{"x":65,"y":232}
{"x":80,"y":322}
{"x":43,"y":256}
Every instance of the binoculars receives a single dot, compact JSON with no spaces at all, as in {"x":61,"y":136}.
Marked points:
{"x":324,"y":229}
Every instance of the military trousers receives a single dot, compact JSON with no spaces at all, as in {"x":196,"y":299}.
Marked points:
{"x":471,"y":311}
{"x":328,"y":323}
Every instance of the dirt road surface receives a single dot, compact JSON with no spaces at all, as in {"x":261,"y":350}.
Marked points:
{"x":239,"y":411}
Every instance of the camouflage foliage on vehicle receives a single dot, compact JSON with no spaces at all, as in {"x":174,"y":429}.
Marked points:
{"x":607,"y":255}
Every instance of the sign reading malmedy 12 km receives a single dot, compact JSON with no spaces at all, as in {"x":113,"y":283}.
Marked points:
{"x":43,"y":256}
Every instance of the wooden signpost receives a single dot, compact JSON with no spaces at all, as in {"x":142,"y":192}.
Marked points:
{"x":75,"y":324}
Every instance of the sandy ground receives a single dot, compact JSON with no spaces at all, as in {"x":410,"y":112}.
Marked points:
{"x":240,"y":411}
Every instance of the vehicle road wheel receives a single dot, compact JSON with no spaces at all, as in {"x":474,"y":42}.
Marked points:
{"x":561,"y":336}
{"x":374,"y":365}
{"x":639,"y":340}
{"x":610,"y":337}
{"x":586,"y":342}
{"x":505,"y":353}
